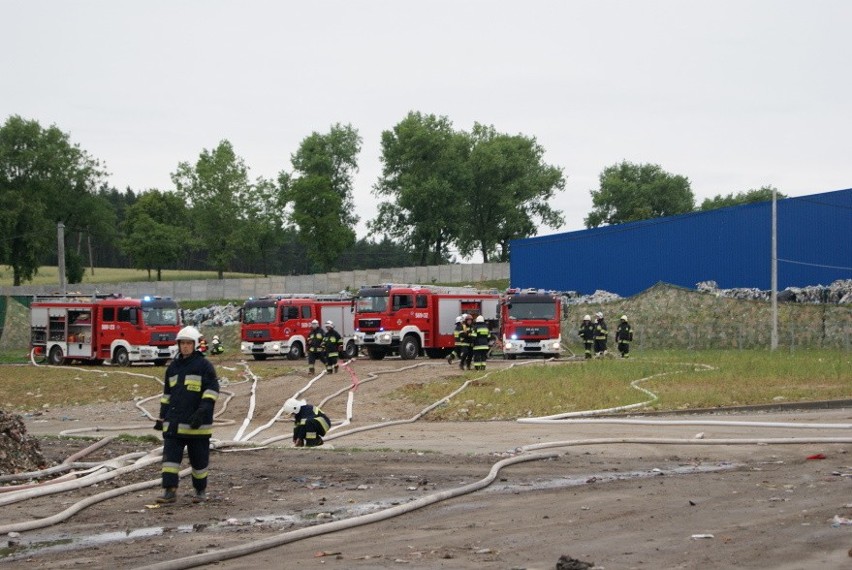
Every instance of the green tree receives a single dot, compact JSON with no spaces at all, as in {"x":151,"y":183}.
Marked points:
{"x":762,"y":194}
{"x":215,"y":188}
{"x":629,"y":192}
{"x":425,"y":176}
{"x":156,"y":231}
{"x":262,"y":230}
{"x":44,"y":179}
{"x":510,"y":187}
{"x":320,"y":192}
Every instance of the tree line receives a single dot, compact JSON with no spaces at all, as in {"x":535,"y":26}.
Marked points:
{"x":442,"y":193}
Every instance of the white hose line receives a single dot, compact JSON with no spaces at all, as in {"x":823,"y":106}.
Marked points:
{"x":85,"y":503}
{"x":318,"y":530}
{"x":681,"y":441}
{"x":84,"y":469}
{"x":48,"y":471}
{"x":252,"y":400}
{"x":76,"y":484}
{"x":84,"y":452}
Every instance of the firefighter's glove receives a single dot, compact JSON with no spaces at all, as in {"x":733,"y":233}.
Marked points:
{"x":196,"y":419}
{"x":158,"y":425}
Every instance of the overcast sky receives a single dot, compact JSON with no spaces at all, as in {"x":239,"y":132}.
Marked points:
{"x":733,"y":94}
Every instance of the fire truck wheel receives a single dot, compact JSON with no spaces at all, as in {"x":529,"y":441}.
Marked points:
{"x":120,"y":357}
{"x":409,"y":348}
{"x":56,"y":356}
{"x":295,"y":351}
{"x":351,"y":350}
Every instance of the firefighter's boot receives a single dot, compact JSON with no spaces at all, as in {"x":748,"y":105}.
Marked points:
{"x":335,"y":368}
{"x":169,"y":496}
{"x":199,"y":497}
{"x":310,"y":370}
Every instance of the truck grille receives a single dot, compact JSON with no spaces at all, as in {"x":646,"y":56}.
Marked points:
{"x":369,"y":324}
{"x":162,"y":338}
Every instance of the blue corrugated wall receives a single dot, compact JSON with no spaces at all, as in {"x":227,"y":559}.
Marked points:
{"x":731,"y":246}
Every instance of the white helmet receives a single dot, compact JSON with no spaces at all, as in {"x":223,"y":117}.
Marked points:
{"x":292,"y":406}
{"x":587,"y":318}
{"x":314,"y":323}
{"x":459,"y":319}
{"x":189,"y":333}
{"x":480,"y":319}
{"x":623,"y":317}
{"x":329,"y":325}
{"x":599,"y":315}
{"x":215,"y":337}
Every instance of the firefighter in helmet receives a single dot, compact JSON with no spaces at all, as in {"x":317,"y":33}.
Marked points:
{"x":601,"y":334}
{"x":331,"y":344}
{"x":190,"y":391}
{"x":216,"y":345}
{"x":457,"y":348}
{"x":311,"y":423}
{"x":482,"y":336}
{"x":623,"y":336}
{"x":587,"y":333}
{"x":315,"y":345}
{"x":467,"y":336}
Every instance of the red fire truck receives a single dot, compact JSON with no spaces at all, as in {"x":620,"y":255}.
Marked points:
{"x":530,"y":323}
{"x":411,"y":320}
{"x":111,"y":328}
{"x":278,"y":325}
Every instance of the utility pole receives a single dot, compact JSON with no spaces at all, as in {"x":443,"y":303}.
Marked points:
{"x":774,"y":338}
{"x":60,"y":254}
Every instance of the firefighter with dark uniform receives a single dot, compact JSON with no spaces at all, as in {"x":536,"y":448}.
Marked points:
{"x":315,"y":345}
{"x":587,"y":333}
{"x":601,"y":334}
{"x":623,"y":336}
{"x":331,"y":344}
{"x":467,"y":336}
{"x":190,"y":391}
{"x":311,"y":423}
{"x":457,"y":342}
{"x":480,"y":343}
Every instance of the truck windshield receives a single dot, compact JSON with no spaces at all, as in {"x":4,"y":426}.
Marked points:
{"x":160,"y":316}
{"x":371,"y":304}
{"x":253,"y":315}
{"x":544,"y":310}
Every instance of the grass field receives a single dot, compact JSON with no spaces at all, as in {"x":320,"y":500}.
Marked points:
{"x":681,"y":379}
{"x":49,"y":275}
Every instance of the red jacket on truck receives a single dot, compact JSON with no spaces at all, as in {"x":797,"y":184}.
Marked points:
{"x":410,"y":320}
{"x":279,"y":325}
{"x":113,"y":328}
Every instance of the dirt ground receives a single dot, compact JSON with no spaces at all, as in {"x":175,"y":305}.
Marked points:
{"x":617,"y":505}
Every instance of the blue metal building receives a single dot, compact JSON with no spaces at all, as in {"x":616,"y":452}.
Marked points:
{"x":731,"y":246}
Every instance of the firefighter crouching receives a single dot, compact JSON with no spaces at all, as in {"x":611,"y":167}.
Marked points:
{"x":311,"y":423}
{"x":315,"y":345}
{"x":190,"y":391}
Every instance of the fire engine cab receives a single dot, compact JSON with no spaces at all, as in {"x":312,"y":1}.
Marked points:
{"x":530,"y":323}
{"x":111,"y":328}
{"x":410,"y":320}
{"x":279,"y":324}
